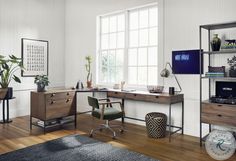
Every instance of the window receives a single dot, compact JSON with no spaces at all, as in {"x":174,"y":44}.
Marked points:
{"x":128,"y":47}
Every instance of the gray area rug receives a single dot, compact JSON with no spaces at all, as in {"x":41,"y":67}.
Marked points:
{"x":74,"y":148}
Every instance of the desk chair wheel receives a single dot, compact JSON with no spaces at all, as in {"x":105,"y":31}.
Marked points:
{"x":91,"y":135}
{"x":121,"y":131}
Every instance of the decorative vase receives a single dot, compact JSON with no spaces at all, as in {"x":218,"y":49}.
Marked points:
{"x":232,"y":72}
{"x":40,"y":87}
{"x":9,"y":93}
{"x":215,"y":43}
{"x":89,"y":84}
{"x":3,"y":92}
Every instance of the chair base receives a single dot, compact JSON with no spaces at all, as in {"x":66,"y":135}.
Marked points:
{"x":109,"y":127}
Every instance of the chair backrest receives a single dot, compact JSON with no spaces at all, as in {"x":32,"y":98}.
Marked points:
{"x":93,"y":102}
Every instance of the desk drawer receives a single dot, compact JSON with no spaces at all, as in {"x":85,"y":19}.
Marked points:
{"x":218,"y":119}
{"x":116,"y":94}
{"x":219,"y":109}
{"x":61,"y":95}
{"x":157,"y":99}
{"x":134,"y":96}
{"x":59,"y":108}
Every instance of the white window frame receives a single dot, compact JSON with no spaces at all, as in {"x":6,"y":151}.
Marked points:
{"x":126,"y":48}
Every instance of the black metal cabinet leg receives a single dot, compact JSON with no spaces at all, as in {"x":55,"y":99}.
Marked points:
{"x":75,"y":121}
{"x":30,"y":122}
{"x":170,"y":123}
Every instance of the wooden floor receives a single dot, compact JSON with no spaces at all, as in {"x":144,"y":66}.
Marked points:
{"x":16,"y":135}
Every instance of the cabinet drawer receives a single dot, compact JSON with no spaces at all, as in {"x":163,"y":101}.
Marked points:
{"x":59,"y":108}
{"x":219,"y":109}
{"x":218,"y":119}
{"x":158,"y":99}
{"x":58,"y":96}
{"x":116,"y":94}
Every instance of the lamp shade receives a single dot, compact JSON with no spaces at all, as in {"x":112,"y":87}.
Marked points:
{"x":165,"y":73}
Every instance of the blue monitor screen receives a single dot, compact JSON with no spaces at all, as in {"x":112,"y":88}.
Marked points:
{"x":186,"y":62}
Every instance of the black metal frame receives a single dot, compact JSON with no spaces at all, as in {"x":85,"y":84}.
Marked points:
{"x":5,"y":120}
{"x":209,"y":28}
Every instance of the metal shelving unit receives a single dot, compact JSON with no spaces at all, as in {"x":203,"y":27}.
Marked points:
{"x":209,"y":28}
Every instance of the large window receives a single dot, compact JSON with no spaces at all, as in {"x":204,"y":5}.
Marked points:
{"x":128,"y":47}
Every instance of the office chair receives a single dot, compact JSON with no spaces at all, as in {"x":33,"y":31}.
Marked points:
{"x":103,"y":110}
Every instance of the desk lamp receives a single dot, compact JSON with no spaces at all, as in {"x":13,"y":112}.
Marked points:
{"x":165,"y":73}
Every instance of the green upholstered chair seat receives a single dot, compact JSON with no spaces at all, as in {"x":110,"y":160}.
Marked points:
{"x":109,"y":113}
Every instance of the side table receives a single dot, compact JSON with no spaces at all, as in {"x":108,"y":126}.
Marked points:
{"x":5,"y":120}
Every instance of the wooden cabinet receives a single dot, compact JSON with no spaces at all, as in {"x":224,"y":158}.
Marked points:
{"x":220,"y":114}
{"x":53,"y":106}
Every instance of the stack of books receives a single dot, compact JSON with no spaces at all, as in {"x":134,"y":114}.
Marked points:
{"x":215,"y":74}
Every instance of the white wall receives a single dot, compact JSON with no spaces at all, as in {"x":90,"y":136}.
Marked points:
{"x":181,"y":31}
{"x":36,"y":19}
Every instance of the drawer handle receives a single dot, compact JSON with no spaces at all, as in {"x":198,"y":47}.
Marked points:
{"x":219,"y":115}
{"x":67,"y":100}
{"x":53,"y":94}
{"x":157,"y":96}
{"x":116,"y":93}
{"x":219,"y":105}
{"x":135,"y":95}
{"x":52,"y":102}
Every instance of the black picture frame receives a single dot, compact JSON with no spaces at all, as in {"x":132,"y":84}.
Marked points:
{"x":36,"y":69}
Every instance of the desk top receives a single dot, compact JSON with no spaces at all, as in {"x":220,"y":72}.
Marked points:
{"x":138,"y":95}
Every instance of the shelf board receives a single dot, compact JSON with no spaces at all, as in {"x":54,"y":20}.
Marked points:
{"x":220,"y":52}
{"x":225,"y":78}
{"x":219,"y":26}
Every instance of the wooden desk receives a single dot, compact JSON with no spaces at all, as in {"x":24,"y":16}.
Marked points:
{"x":163,"y":98}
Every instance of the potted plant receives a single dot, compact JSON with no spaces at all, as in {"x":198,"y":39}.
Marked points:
{"x":41,"y":81}
{"x":8,"y":67}
{"x":88,"y":69}
{"x":232,"y":64}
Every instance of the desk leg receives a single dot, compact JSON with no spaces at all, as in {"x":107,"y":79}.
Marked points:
{"x":170,"y":123}
{"x":123,"y":105}
{"x":182,"y":117}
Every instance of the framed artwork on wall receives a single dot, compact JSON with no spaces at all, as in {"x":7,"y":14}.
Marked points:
{"x":34,"y":55}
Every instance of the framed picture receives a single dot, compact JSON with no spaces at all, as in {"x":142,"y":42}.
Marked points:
{"x":34,"y":57}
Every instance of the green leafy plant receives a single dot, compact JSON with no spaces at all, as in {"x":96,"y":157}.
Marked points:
{"x":88,"y":68}
{"x":8,"y":67}
{"x":41,"y":80}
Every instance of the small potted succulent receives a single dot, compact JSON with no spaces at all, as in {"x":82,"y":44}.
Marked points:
{"x":88,"y":69}
{"x":232,"y":64}
{"x":41,"y":81}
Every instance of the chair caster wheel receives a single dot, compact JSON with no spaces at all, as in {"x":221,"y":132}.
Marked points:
{"x":121,"y":131}
{"x":91,"y":135}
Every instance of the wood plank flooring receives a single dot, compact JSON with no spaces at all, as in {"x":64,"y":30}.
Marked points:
{"x":16,"y":135}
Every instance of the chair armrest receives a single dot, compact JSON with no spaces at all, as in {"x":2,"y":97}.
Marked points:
{"x":103,"y":99}
{"x":107,"y":103}
{"x":113,"y":102}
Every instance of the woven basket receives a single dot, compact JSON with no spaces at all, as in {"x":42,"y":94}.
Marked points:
{"x":3,"y":92}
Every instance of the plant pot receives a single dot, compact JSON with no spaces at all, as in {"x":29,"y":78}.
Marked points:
{"x":3,"y":92}
{"x":9,"y":93}
{"x":232,"y":72}
{"x":40,"y":87}
{"x":89,"y":84}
